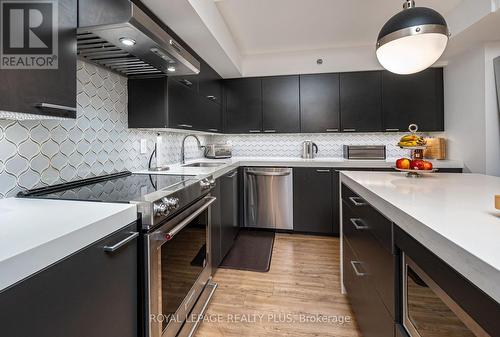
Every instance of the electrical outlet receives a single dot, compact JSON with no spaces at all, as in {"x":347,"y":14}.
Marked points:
{"x":144,"y":146}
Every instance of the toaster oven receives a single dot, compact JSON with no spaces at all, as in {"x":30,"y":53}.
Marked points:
{"x":218,"y":151}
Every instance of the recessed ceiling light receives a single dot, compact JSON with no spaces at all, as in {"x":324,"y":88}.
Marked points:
{"x":171,"y":69}
{"x":127,"y":41}
{"x":412,"y":40}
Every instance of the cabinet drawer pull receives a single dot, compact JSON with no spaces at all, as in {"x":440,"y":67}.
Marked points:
{"x":254,"y":131}
{"x":332,"y":130}
{"x":118,"y":245}
{"x":55,"y":106}
{"x":323,"y":171}
{"x":185,"y":126}
{"x":186,"y":82}
{"x":232,"y":175}
{"x":392,"y":130}
{"x":213,"y":130}
{"x":358,"y":224}
{"x":212,"y":98}
{"x":357,"y":201}
{"x":356,"y":271}
{"x":269,"y":131}
{"x":349,"y":130}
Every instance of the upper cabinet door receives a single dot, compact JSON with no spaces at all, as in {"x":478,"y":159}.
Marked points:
{"x":210,"y":84}
{"x":154,"y":114}
{"x":183,"y":106}
{"x":413,"y":99}
{"x":280,"y":104}
{"x":243,"y":103}
{"x":319,"y":103}
{"x":361,"y":101}
{"x":41,"y":75}
{"x":208,"y":117}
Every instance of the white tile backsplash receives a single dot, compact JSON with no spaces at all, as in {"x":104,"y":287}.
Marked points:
{"x":290,"y":145}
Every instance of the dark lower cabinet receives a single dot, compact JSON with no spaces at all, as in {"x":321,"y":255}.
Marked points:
{"x":229,"y":211}
{"x":315,"y":200}
{"x":225,"y":217}
{"x":369,"y":265}
{"x":23,"y":90}
{"x":92,"y":293}
{"x":215,"y":228}
{"x":372,"y":317}
{"x":413,"y":99}
{"x":280,"y":104}
{"x":361,"y":101}
{"x":319,"y":103}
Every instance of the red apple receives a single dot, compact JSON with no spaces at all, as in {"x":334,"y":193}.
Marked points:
{"x":417,"y":164}
{"x":427,"y":165}
{"x":403,"y":163}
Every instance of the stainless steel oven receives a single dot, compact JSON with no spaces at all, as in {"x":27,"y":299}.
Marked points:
{"x":428,"y":311}
{"x":178,"y":263}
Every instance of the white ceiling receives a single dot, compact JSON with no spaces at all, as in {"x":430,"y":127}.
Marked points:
{"x":275,"y":26}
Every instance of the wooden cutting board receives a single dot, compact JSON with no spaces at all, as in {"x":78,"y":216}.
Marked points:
{"x":436,"y":148}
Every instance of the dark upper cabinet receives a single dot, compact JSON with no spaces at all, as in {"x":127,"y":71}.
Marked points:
{"x":208,"y":116}
{"x":243,"y":105}
{"x":319,"y":103}
{"x":361,"y":101}
{"x":77,"y":295}
{"x":416,"y":98}
{"x":210,"y":84}
{"x":147,"y":103}
{"x":313,"y":200}
{"x":183,"y":106}
{"x":280,"y":104}
{"x":44,"y":91}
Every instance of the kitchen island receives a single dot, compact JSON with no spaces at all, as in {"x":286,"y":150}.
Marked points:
{"x":448,"y":221}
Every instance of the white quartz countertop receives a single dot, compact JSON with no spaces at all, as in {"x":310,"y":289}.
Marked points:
{"x":453,"y":215}
{"x":36,"y":233}
{"x":232,"y":163}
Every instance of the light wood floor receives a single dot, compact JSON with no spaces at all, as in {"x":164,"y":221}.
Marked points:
{"x":304,"y":279}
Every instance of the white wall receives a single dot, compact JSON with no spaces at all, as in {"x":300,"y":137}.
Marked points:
{"x":471,"y":110}
{"x":492,"y":118}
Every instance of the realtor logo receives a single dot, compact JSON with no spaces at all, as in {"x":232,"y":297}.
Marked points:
{"x":29,"y":34}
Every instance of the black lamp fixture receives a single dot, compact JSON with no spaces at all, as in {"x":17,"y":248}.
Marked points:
{"x":412,"y":40}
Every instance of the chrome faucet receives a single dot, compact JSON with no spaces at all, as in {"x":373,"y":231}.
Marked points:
{"x":183,"y":154}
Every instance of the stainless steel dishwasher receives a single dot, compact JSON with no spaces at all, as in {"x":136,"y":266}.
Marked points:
{"x":268,"y":198}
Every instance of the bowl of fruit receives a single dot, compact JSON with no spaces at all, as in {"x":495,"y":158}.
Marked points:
{"x":414,"y":167}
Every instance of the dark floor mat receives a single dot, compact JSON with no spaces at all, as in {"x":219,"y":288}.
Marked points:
{"x":252,"y":250}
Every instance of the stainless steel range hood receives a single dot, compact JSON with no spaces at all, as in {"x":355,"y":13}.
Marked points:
{"x":119,"y":35}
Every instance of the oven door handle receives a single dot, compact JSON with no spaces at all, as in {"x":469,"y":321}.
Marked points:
{"x":170,"y":235}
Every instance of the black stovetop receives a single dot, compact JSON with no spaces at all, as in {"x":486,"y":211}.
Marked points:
{"x":119,"y":187}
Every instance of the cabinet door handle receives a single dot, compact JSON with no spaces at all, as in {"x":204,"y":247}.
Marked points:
{"x":212,"y":98}
{"x":55,"y":106}
{"x":186,"y":82}
{"x":349,"y":130}
{"x":185,"y":126}
{"x":118,"y":245}
{"x":357,"y":201}
{"x":269,"y":131}
{"x":232,"y":175}
{"x":332,"y":130}
{"x":390,"y":130}
{"x":213,"y":130}
{"x":358,"y":224}
{"x":254,"y":131}
{"x":323,"y":171}
{"x":356,"y":271}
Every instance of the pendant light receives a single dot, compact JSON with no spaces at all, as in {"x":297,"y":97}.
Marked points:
{"x":412,"y":40}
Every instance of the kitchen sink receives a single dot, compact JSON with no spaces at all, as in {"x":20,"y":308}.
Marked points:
{"x":203,"y":164}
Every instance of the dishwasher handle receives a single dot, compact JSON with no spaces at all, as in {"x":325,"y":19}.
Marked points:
{"x":269,"y":173}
